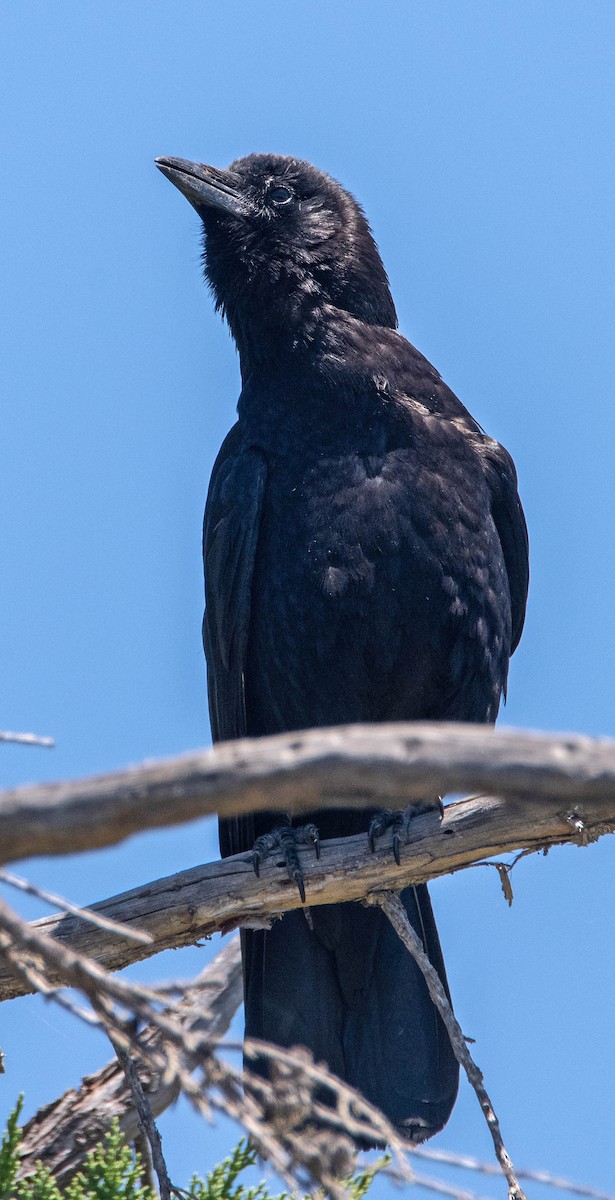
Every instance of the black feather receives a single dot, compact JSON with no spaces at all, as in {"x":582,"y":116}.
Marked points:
{"x":366,"y":559}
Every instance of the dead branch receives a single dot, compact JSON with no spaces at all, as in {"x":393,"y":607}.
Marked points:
{"x":52,"y":898}
{"x":550,"y":791}
{"x":183,"y":908}
{"x":278,"y":1113}
{"x":393,"y":908}
{"x":26,"y":739}
{"x":470,"y":1163}
{"x":355,"y":766}
{"x":273,"y":1112}
{"x":62,"y":1133}
{"x":148,"y":1127}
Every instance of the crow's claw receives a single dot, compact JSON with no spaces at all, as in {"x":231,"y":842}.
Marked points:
{"x":396,"y":844}
{"x":298,"y":878}
{"x":379,"y":825}
{"x":400,"y":824}
{"x":286,"y":838}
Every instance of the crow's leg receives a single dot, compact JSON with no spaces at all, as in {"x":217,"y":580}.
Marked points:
{"x":400,"y":823}
{"x":285,"y":839}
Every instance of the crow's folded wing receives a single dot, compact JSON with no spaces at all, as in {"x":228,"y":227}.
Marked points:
{"x":230,"y":537}
{"x":510,"y":523}
{"x":422,"y":382}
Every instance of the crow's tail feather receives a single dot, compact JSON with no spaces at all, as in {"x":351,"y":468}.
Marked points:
{"x":348,"y":990}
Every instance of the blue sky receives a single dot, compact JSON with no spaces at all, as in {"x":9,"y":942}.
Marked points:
{"x":478,"y":136}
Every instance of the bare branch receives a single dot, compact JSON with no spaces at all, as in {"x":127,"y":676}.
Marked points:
{"x":393,"y":908}
{"x":470,"y":1163}
{"x":62,"y":1133}
{"x":356,"y":766}
{"x":26,"y":739}
{"x":182,"y":909}
{"x":262,"y":1107}
{"x":97,"y":919}
{"x":274,"y":1112}
{"x":442,"y":1189}
{"x":551,"y":790}
{"x":29,"y":969}
{"x":306,"y":1141}
{"x":146,"y":1118}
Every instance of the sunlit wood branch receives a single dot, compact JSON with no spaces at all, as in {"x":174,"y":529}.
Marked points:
{"x":384,"y":765}
{"x":183,"y":908}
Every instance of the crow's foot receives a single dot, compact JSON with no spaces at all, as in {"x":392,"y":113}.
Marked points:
{"x":286,"y":838}
{"x":400,"y":823}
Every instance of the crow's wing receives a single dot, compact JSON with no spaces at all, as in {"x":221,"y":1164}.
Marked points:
{"x":422,"y":382}
{"x":230,"y":537}
{"x":510,"y":523}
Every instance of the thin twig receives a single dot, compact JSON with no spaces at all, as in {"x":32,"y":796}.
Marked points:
{"x":26,"y":739}
{"x":176,"y":1054}
{"x":86,"y":914}
{"x":392,"y":907}
{"x":352,"y":1112}
{"x":26,"y":968}
{"x":62,"y":1133}
{"x":273,"y":1111}
{"x":470,"y":1163}
{"x":442,"y":1189}
{"x":432,"y":1185}
{"x":146,"y":1118}
{"x":77,"y":971}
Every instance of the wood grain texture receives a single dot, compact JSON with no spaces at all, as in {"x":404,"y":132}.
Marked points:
{"x":184,"y":908}
{"x":61,"y":1134}
{"x":354,"y":766}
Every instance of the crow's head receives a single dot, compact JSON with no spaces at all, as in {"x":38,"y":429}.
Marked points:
{"x":284,"y":246}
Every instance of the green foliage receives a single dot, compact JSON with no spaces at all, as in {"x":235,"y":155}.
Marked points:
{"x":9,"y":1151}
{"x":220,"y":1183}
{"x":360,"y":1183}
{"x":112,"y":1171}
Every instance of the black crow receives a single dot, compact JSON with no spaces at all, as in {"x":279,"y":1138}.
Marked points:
{"x":366,"y":559}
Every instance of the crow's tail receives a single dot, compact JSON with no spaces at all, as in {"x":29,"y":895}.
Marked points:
{"x":348,"y":990}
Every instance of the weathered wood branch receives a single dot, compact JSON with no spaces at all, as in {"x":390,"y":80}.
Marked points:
{"x":183,"y":908}
{"x":550,"y":790}
{"x":393,"y":908}
{"x":354,"y":766}
{"x":61,"y":1134}
{"x":26,"y":739}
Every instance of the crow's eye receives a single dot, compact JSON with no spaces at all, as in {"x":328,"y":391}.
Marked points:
{"x":280,"y":195}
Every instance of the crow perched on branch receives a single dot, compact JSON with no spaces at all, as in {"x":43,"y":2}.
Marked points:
{"x":366,"y":559}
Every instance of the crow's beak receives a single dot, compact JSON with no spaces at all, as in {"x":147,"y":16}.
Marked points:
{"x":203,"y":186}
